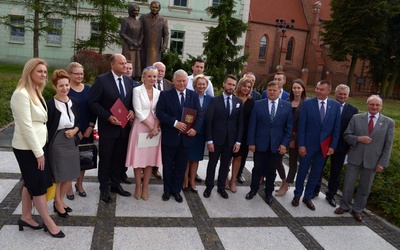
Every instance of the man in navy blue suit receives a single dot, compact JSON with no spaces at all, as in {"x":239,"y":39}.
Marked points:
{"x":224,"y":128}
{"x":280,"y":78}
{"x":106,"y":89}
{"x":319,"y":120}
{"x":269,"y":134}
{"x":174,"y":142}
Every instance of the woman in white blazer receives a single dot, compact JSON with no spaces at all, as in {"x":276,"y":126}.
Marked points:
{"x":146,"y":124}
{"x":30,"y":135}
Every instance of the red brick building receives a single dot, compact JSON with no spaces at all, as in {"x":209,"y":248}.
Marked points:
{"x":299,"y":50}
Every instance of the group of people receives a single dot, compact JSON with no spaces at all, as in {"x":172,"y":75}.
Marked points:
{"x":169,"y":125}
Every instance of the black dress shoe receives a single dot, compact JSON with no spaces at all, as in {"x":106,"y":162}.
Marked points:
{"x":70,"y":197}
{"x":309,"y":203}
{"x":223,"y":193}
{"x":207,"y":193}
{"x":268,"y":199}
{"x":105,"y":197}
{"x":165,"y":196}
{"x":178,"y":197}
{"x":198,"y":179}
{"x":22,"y":224}
{"x":57,"y":235}
{"x":295,"y":201}
{"x":68,"y":209}
{"x":240,"y":179}
{"x":250,"y":195}
{"x":125,"y":180}
{"x":119,"y":190}
{"x":81,"y":194}
{"x":62,"y":215}
{"x":194,"y":190}
{"x":315,"y":194}
{"x":331,"y":201}
{"x":185,"y":189}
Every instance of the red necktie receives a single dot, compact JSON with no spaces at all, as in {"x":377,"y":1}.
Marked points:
{"x":371,"y":124}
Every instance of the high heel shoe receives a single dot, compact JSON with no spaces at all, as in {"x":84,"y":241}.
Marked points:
{"x":145,"y":197}
{"x":137,"y":196}
{"x":57,"y":235}
{"x":81,"y":194}
{"x":22,"y":224}
{"x":62,"y":215}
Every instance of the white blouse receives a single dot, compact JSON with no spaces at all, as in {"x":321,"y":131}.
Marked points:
{"x":67,"y":119}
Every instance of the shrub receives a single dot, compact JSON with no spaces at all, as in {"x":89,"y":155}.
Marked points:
{"x":93,"y":63}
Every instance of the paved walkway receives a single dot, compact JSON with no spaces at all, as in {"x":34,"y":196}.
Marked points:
{"x":197,"y":223}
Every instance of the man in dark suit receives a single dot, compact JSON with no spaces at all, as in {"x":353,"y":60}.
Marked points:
{"x":337,"y":159}
{"x":370,"y":136}
{"x":175,"y":143}
{"x":106,"y":89}
{"x":280,"y":78}
{"x":224,"y":127}
{"x":129,"y":69}
{"x":319,"y":120}
{"x":269,"y":134}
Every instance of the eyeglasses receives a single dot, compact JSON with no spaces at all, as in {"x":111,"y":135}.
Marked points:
{"x":78,"y":74}
{"x":150,"y":68}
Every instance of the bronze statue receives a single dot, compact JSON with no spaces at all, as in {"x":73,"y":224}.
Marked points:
{"x":155,"y":35}
{"x":132,"y":34}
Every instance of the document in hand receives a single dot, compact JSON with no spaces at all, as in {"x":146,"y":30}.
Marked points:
{"x":325,"y":145}
{"x":120,"y":112}
{"x":145,"y":142}
{"x":188,"y":117}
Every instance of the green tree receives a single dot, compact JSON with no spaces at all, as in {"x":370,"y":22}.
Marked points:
{"x":108,"y":25}
{"x":356,"y":29}
{"x":39,"y":15}
{"x":220,"y":47}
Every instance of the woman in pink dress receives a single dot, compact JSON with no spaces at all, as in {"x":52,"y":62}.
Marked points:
{"x":145,"y":98}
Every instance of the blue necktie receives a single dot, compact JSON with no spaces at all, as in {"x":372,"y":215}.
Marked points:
{"x":322,"y":112}
{"x":182,"y":100}
{"x":228,"y":106}
{"x":272,"y":115}
{"x":121,"y":90}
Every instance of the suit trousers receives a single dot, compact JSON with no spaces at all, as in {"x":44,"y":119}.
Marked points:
{"x":174,"y":161}
{"x":112,"y":155}
{"x":264,"y":162}
{"x":317,"y":163}
{"x":366,"y":179}
{"x":225,"y":152}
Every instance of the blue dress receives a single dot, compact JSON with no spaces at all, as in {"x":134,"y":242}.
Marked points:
{"x":196,"y":151}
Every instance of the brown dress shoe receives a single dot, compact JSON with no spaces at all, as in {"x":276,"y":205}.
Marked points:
{"x":309,"y":204}
{"x":156,"y":174}
{"x":295,"y":201}
{"x":357,"y":216}
{"x":340,"y":210}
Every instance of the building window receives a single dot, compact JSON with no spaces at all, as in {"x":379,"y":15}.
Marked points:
{"x":17,"y":29}
{"x":94,"y":30}
{"x":289,"y":51}
{"x":177,"y":41}
{"x":182,"y":3}
{"x":263,"y":48}
{"x":54,"y":35}
{"x":216,"y":2}
{"x":142,"y":1}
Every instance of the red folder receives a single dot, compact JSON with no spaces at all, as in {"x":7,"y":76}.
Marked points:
{"x":120,"y":112}
{"x":188,"y":117}
{"x":325,"y":145}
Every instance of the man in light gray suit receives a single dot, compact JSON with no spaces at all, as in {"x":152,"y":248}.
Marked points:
{"x":370,"y":136}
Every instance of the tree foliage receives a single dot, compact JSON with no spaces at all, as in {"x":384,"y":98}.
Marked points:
{"x":220,"y":47}
{"x":108,"y":24}
{"x":357,"y":29}
{"x":39,"y":14}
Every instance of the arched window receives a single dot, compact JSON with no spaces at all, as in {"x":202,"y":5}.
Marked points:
{"x":289,"y":52}
{"x":263,"y":48}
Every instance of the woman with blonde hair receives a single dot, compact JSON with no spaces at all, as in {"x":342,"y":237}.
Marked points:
{"x":30,"y":135}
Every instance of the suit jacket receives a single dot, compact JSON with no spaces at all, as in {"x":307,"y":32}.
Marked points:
{"x":102,"y":97}
{"x":311,"y":132}
{"x":264,"y":133}
{"x":54,"y":118}
{"x":141,"y":102}
{"x":219,"y":126}
{"x":169,"y":110}
{"x":255,"y":95}
{"x":345,"y":117}
{"x":285,"y":95}
{"x":166,"y":84}
{"x":379,"y":150}
{"x":30,"y":131}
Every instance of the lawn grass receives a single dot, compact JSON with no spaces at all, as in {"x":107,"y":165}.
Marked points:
{"x":384,"y":197}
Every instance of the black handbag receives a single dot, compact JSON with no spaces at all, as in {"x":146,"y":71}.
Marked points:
{"x":88,"y":156}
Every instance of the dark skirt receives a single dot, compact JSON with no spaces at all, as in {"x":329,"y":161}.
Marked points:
{"x":196,"y":151}
{"x":63,"y":157}
{"x":35,"y":180}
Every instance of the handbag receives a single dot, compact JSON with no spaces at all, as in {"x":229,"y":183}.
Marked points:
{"x":51,"y":192}
{"x":88,"y":156}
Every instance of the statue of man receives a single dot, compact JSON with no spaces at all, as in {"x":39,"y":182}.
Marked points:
{"x":132,"y":33}
{"x":155,"y":35}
